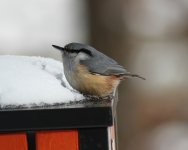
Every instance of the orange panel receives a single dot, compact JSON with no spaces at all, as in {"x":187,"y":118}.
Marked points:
{"x":57,"y":140}
{"x":13,"y":142}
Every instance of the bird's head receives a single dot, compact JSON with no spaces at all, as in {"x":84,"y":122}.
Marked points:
{"x":75,"y":52}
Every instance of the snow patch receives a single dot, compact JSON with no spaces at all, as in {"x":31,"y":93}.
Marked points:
{"x":28,"y":80}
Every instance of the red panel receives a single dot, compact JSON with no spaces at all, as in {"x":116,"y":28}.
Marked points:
{"x":13,"y":142}
{"x":57,"y":140}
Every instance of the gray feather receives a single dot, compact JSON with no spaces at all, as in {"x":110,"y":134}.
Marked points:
{"x":102,"y":64}
{"x":115,"y":70}
{"x":98,"y":62}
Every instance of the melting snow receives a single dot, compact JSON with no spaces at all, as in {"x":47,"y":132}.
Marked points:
{"x":28,"y":80}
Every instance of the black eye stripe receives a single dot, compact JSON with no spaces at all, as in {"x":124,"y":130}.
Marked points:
{"x":77,"y":51}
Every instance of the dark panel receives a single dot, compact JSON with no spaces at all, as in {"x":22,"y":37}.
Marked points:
{"x":42,"y":119}
{"x":31,"y":140}
{"x":93,"y":139}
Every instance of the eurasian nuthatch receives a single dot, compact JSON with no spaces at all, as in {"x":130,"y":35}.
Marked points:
{"x":90,"y":71}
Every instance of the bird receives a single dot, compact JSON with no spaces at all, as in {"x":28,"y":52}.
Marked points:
{"x":91,"y":72}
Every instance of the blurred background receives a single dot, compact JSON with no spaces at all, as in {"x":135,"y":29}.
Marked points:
{"x":148,"y":37}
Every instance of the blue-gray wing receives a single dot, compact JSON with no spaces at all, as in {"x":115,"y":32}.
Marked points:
{"x":102,"y":64}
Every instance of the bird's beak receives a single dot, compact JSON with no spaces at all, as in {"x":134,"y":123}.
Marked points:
{"x":59,"y":48}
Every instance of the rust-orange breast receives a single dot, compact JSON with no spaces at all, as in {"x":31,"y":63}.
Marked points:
{"x":94,"y":84}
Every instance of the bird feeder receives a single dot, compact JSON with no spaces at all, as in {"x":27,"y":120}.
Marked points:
{"x":87,"y":125}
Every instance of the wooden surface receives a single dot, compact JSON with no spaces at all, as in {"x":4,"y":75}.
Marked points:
{"x":17,"y":141}
{"x":57,"y":140}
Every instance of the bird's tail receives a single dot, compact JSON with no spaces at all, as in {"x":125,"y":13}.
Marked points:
{"x":128,"y":75}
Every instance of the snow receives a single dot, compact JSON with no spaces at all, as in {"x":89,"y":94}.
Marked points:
{"x":28,"y":80}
